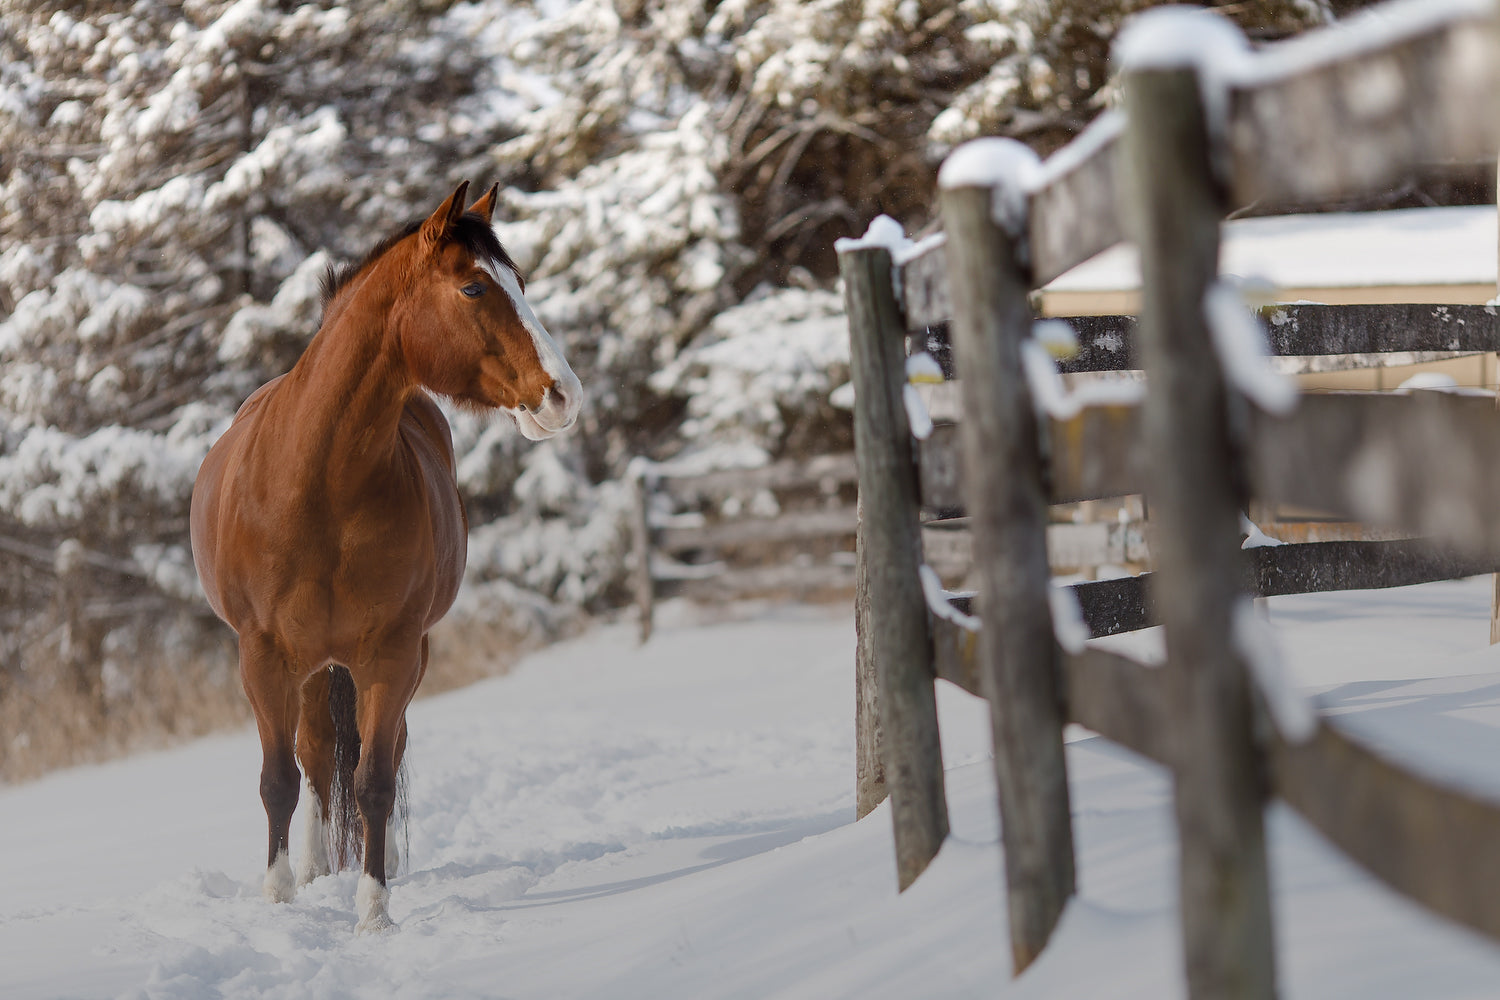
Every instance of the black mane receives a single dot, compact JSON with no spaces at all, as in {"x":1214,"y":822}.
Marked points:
{"x":471,"y":232}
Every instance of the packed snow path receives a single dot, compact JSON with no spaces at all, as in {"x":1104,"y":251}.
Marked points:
{"x":676,"y":820}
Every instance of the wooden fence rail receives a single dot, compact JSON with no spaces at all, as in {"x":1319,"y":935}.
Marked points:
{"x":1202,"y":445}
{"x":660,"y":541}
{"x":1305,"y":329}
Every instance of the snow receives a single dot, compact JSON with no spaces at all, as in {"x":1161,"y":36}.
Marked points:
{"x":51,"y":479}
{"x":1052,"y":398}
{"x":1431,"y":381}
{"x":938,"y":603}
{"x":1009,"y":167}
{"x":1180,"y":37}
{"x":1068,"y":626}
{"x":917,"y":416}
{"x":280,"y":886}
{"x":1366,"y":31}
{"x":294,"y":309}
{"x":1244,"y":351}
{"x":883,"y":232}
{"x":1057,"y":337}
{"x":1108,"y":127}
{"x":1418,"y":246}
{"x":925,"y":245}
{"x":779,"y":352}
{"x":1254,"y":537}
{"x":1172,"y":37}
{"x":677,"y":820}
{"x":923,"y":369}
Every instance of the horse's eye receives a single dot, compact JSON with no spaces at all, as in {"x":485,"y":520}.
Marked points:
{"x":474,"y":289}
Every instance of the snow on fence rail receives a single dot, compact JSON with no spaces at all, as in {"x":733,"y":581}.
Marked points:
{"x":1336,"y":114}
{"x":692,"y":519}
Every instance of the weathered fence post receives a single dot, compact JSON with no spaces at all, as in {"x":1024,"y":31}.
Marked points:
{"x":869,"y":770}
{"x":640,"y":545}
{"x":890,"y":553}
{"x":1495,"y":591}
{"x":79,"y":648}
{"x":1220,"y":786}
{"x":1003,"y":491}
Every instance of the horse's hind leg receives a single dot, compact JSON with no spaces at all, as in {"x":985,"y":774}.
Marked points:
{"x":272,"y":691}
{"x":315,"y":743}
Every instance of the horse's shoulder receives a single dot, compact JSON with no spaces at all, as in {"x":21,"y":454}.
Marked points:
{"x":255,"y":399}
{"x":423,"y":417}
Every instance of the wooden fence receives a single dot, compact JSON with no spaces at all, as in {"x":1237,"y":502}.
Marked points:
{"x":708,"y":537}
{"x":1305,"y":121}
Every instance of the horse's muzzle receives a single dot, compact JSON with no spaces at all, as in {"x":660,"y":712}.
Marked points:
{"x":560,"y":404}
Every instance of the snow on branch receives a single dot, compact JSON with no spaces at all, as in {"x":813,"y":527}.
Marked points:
{"x":53,"y":480}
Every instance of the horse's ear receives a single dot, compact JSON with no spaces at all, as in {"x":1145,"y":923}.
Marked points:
{"x":485,"y":206}
{"x":440,"y":222}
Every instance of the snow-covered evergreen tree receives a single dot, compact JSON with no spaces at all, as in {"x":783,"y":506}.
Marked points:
{"x":176,"y":179}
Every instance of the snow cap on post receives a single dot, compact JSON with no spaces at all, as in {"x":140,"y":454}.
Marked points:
{"x":1180,"y":37}
{"x":1186,"y":37}
{"x":884,"y":231}
{"x":1010,"y":169}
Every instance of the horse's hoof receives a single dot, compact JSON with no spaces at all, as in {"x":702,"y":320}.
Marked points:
{"x":280,"y":886}
{"x":372,"y":901}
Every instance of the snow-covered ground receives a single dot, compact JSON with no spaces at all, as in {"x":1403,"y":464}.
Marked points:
{"x":676,"y":820}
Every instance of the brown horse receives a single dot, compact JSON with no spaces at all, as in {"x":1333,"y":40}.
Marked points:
{"x":327,"y":526}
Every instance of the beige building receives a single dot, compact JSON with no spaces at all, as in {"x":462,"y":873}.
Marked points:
{"x":1437,"y":255}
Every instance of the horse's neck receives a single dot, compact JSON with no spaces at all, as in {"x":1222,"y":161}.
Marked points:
{"x":347,"y":393}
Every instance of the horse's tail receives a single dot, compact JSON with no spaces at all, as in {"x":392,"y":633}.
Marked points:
{"x":347,"y":832}
{"x":347,"y":826}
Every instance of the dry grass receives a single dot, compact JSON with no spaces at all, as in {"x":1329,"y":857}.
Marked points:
{"x":56,"y":714}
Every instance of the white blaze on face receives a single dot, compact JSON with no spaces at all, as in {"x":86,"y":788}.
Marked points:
{"x":560,"y":406}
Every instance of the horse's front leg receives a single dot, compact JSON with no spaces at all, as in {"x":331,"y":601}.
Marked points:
{"x":385,"y":689}
{"x":392,"y":828}
{"x":272,"y":690}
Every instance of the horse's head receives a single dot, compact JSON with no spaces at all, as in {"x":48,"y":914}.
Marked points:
{"x":467,"y":331}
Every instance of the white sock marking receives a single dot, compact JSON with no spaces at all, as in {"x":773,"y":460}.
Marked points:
{"x":372,"y":903}
{"x":279,"y":886}
{"x":314,"y":861}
